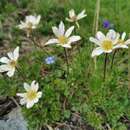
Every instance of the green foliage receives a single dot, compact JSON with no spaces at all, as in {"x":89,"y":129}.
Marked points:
{"x":100,"y":103}
{"x":95,"y":120}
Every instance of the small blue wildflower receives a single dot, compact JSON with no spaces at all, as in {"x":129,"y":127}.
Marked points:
{"x":106,"y":24}
{"x":50,"y":60}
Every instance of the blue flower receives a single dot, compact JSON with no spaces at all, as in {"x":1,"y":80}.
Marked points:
{"x":50,"y":60}
{"x":106,"y":24}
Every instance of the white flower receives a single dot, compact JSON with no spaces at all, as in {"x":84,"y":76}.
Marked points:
{"x":122,"y":43}
{"x":63,"y":38}
{"x":106,"y":43}
{"x":31,"y":96}
{"x":74,"y":18}
{"x":9,"y":63}
{"x":30,"y":23}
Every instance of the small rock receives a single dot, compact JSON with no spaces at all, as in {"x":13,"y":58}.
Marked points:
{"x":15,"y":121}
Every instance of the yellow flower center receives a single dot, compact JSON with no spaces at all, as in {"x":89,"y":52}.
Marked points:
{"x":107,"y":45}
{"x":63,"y":40}
{"x":13,"y":63}
{"x":120,"y":41}
{"x":29,"y":29}
{"x":74,"y":18}
{"x":30,"y":25}
{"x":31,"y":95}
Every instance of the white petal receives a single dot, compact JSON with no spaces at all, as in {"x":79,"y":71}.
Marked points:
{"x":115,"y":41}
{"x":23,"y":101}
{"x":109,"y":51}
{"x":34,"y":26}
{"x":120,"y":46}
{"x":10,"y":73}
{"x":111,"y":35}
{"x":4,"y":68}
{"x":56,"y":31}
{"x":94,"y":40}
{"x":39,"y":94}
{"x":69,"y":31}
{"x":34,"y":85}
{"x":127,"y":42}
{"x":66,"y":45}
{"x":74,"y":39}
{"x":123,"y":36}
{"x":16,"y":53}
{"x":38,"y":19}
{"x":28,"y":18}
{"x":71,"y":13}
{"x":52,"y":41}
{"x":81,"y":15}
{"x":69,"y":20}
{"x":21,"y":95}
{"x":100,"y":36}
{"x":20,"y":26}
{"x":36,"y":100}
{"x":4,"y":60}
{"x":29,"y":104}
{"x":97,"y":51}
{"x":21,"y":22}
{"x":31,"y":19}
{"x":61,"y":28}
{"x":77,"y":24}
{"x":26,"y":86}
{"x":125,"y":46}
{"x":10,"y":55}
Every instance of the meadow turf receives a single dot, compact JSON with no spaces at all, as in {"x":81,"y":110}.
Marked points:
{"x":100,"y":104}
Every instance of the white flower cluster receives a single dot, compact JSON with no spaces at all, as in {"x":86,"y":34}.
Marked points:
{"x":63,"y":38}
{"x":9,"y":65}
{"x":106,"y":44}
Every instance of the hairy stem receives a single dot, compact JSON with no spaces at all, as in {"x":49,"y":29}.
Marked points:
{"x":67,"y":61}
{"x":78,"y":45}
{"x":38,"y":45}
{"x":15,"y":101}
{"x":96,"y":23}
{"x":105,"y":66}
{"x":113,"y":57}
{"x":129,"y":68}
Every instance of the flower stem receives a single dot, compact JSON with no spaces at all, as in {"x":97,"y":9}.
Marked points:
{"x":129,"y":68}
{"x":79,"y":44}
{"x":96,"y":24}
{"x":67,"y":61}
{"x":77,"y":24}
{"x":38,"y":45}
{"x":113,"y":56}
{"x":15,"y":101}
{"x":105,"y":66}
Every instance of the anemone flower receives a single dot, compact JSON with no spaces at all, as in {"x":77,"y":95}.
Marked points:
{"x":75,"y":18}
{"x":31,"y":96}
{"x":122,"y":43}
{"x":106,"y":42}
{"x":9,"y":63}
{"x":63,"y":38}
{"x":29,"y":24}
